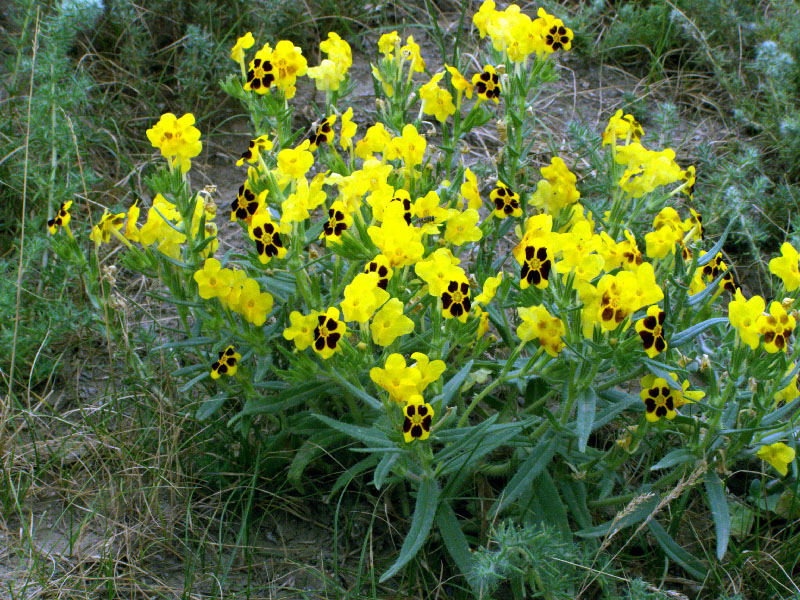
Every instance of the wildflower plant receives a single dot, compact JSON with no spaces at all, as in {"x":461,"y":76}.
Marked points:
{"x":383,"y":294}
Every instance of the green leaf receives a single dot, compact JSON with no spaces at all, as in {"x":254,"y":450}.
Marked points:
{"x":310,"y":450}
{"x":690,"y":564}
{"x":535,"y":463}
{"x":210,"y":407}
{"x":742,"y":519}
{"x":574,"y":494}
{"x":640,"y":513}
{"x":284,"y":400}
{"x":587,"y":403}
{"x":455,"y":541}
{"x":351,"y":473}
{"x":358,"y":392}
{"x":384,"y":468}
{"x":190,"y":343}
{"x":191,"y":383}
{"x":676,"y":457}
{"x":687,"y":335}
{"x":451,"y":387}
{"x":658,"y":370}
{"x":712,"y":253}
{"x":472,"y":448}
{"x":719,"y":509}
{"x":421,"y":522}
{"x":369,"y":436}
{"x":553,"y":511}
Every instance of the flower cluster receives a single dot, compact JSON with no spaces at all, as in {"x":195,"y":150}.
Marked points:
{"x":235,"y":291}
{"x":177,"y":138}
{"x":332,"y":71}
{"x":517,"y":35}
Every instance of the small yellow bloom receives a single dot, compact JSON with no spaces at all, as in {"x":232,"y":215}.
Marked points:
{"x":328,"y":333}
{"x":389,"y":323}
{"x":226,"y":364}
{"x":242,"y":44}
{"x":786,"y":267}
{"x":779,"y":455}
{"x":396,"y":378}
{"x":254,"y":305}
{"x":302,"y":329}
{"x":61,"y":219}
{"x":213,"y":281}
{"x":348,"y":130}
{"x":417,"y":418}
{"x":388,"y":43}
{"x":101,"y":233}
{"x":178,"y":139}
{"x":463,"y":227}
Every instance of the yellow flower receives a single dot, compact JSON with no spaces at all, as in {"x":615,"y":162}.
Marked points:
{"x":557,"y":190}
{"x":288,"y":63}
{"x":389,"y":323}
{"x":328,"y":333}
{"x":396,"y":378}
{"x":436,"y":101}
{"x":302,"y":329}
{"x":539,"y":324}
{"x":776,"y":328}
{"x":338,"y":51}
{"x":410,"y":146}
{"x":489,"y":289}
{"x":254,"y":305}
{"x":430,"y":370}
{"x":786,"y":267}
{"x":348,"y":130}
{"x":417,"y":418}
{"x":295,"y":162}
{"x":463,"y":227}
{"x":790,"y":392}
{"x":779,"y":455}
{"x":469,"y":190}
{"x":178,"y":139}
{"x":101,"y":233}
{"x":410,"y":52}
{"x":61,"y":219}
{"x":460,"y":83}
{"x":398,"y":241}
{"x":622,"y":128}
{"x":226,"y":364}
{"x":242,"y":44}
{"x":213,"y":281}
{"x":438,"y":269}
{"x":388,"y":42}
{"x":487,"y":84}
{"x":376,"y":139}
{"x":484,"y":15}
{"x":362,"y":297}
{"x":744,"y":315}
{"x":326,"y":76}
{"x":131,"y":230}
